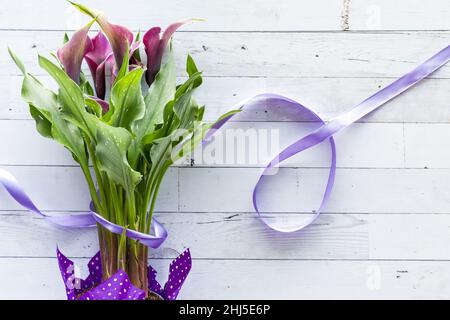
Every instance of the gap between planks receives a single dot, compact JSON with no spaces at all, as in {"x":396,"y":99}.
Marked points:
{"x":251,"y":259}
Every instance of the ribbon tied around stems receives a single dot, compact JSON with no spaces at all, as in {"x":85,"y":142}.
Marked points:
{"x":82,"y":220}
{"x":265,"y":100}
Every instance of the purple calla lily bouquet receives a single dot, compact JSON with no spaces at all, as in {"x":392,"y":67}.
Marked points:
{"x":127,"y":132}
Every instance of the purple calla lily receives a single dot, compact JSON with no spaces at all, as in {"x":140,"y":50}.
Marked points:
{"x":102,"y":60}
{"x":119,"y":36}
{"x":96,"y":59}
{"x":98,"y":53}
{"x":72,"y":53}
{"x":155,"y":47}
{"x":100,"y":75}
{"x":151,"y":42}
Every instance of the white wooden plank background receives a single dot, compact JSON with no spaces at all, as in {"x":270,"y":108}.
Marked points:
{"x":386,"y":231}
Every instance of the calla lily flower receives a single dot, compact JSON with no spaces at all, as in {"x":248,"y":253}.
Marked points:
{"x":96,"y":60}
{"x":100,"y":60}
{"x":72,"y":53}
{"x":99,"y":51}
{"x":119,"y":36}
{"x":155,"y":47}
{"x":100,"y":75}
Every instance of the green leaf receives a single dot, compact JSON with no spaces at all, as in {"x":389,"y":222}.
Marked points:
{"x":185,"y":109}
{"x":121,"y":250}
{"x":83,"y":9}
{"x":226,"y":115}
{"x":188,"y":145}
{"x":44,"y":108}
{"x":94,"y":107}
{"x":178,"y":114}
{"x":126,"y":99}
{"x":125,"y":65}
{"x":200,"y":113}
{"x":69,"y":136}
{"x":188,"y":84}
{"x":199,"y":131}
{"x":168,"y":113}
{"x":111,"y":152}
{"x":152,"y":136}
{"x":138,"y":36}
{"x":160,"y":154}
{"x":71,"y":98}
{"x":17,"y":61}
{"x":191,"y":69}
{"x":43,"y":125}
{"x":179,"y":122}
{"x":159,"y":94}
{"x":136,"y":53}
{"x":34,"y":93}
{"x":85,"y":85}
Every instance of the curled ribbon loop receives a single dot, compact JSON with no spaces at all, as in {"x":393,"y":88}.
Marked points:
{"x":82,"y":220}
{"x":328,"y":129}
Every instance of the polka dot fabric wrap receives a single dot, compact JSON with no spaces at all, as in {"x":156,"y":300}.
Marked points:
{"x":178,"y":272}
{"x":119,"y":286}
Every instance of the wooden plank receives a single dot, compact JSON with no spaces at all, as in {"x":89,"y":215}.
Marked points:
{"x":258,"y":143}
{"x":258,"y":279}
{"x":230,"y":189}
{"x":394,"y":236}
{"x":209,"y":235}
{"x":287,"y":15}
{"x":355,"y":191}
{"x":399,"y":15}
{"x":329,"y":97}
{"x":427,"y":146}
{"x":318,"y":54}
{"x":234,"y":15}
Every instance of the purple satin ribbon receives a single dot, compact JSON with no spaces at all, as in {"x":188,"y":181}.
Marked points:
{"x":327,"y":129}
{"x":324,"y":132}
{"x":82,"y":220}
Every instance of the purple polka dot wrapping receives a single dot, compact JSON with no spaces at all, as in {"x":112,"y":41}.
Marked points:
{"x":119,"y":286}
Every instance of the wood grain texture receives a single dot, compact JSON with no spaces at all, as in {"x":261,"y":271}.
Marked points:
{"x":340,"y":236}
{"x":241,"y":279}
{"x":385,"y":233}
{"x":233,"y":15}
{"x":355,"y":191}
{"x":399,"y":15}
{"x":269,"y":54}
